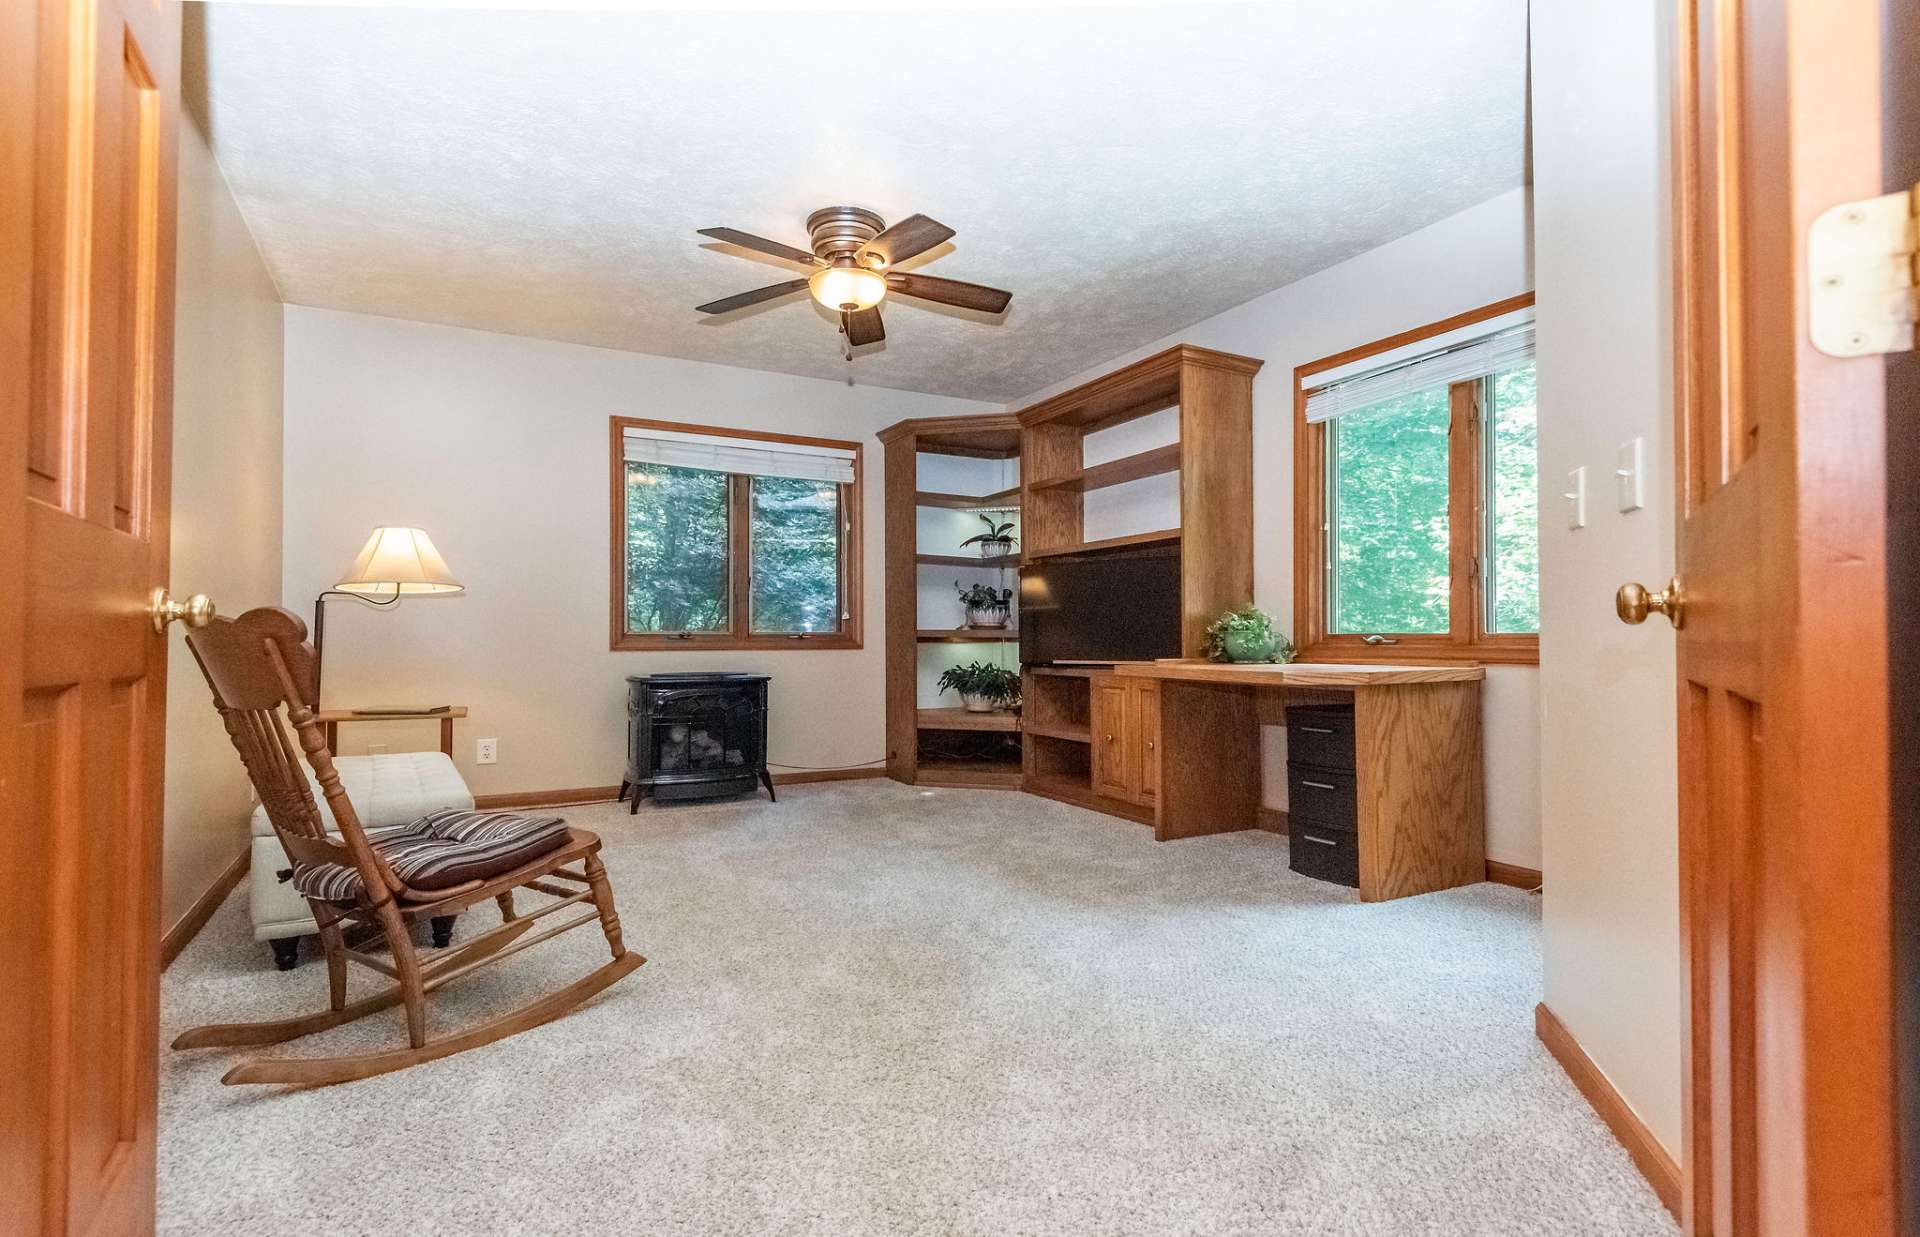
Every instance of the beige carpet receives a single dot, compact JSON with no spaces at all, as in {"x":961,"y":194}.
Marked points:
{"x":871,"y":1009}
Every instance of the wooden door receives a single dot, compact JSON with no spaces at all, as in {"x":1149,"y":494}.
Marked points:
{"x":1114,"y":755}
{"x":1783,"y":646}
{"x":88,"y":105}
{"x":1146,"y":732}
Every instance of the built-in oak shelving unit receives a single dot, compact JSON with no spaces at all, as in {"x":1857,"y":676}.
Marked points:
{"x":1213,"y":457}
{"x":943,"y":746}
{"x":1054,"y":734}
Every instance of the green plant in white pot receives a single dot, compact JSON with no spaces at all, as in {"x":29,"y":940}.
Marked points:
{"x":983,"y":687}
{"x":1247,"y":635}
{"x":985,"y":605}
{"x":997,"y":540}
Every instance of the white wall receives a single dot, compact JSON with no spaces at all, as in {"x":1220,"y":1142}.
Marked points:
{"x":1602,"y":186}
{"x":1478,"y":256}
{"x":226,"y":502}
{"x":497,"y":446}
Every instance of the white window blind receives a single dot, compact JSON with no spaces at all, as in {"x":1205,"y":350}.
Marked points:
{"x":748,"y":456}
{"x":1342,"y":392}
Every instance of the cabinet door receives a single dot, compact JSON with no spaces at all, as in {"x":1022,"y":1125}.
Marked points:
{"x":1115,"y":762}
{"x":1146,"y":729}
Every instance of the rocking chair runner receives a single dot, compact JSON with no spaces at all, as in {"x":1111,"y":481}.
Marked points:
{"x":260,"y":662}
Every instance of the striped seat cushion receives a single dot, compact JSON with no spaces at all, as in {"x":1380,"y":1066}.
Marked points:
{"x":440,"y":850}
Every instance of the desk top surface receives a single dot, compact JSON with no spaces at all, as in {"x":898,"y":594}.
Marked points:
{"x":1298,"y":674}
{"x":390,"y":715}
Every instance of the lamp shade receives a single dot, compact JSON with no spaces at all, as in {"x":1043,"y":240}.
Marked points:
{"x":396,"y":561}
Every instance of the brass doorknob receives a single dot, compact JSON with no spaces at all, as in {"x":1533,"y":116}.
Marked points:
{"x":1633,"y":603}
{"x":195,"y":611}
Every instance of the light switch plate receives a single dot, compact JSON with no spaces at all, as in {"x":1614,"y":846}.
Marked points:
{"x":1576,"y":496}
{"x":1630,"y":474}
{"x":486,"y":751}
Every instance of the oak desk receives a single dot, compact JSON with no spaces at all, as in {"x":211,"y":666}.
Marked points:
{"x":1421,"y":794}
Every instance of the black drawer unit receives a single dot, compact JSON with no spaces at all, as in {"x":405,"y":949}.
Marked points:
{"x":1322,"y":800}
{"x":1324,"y":854}
{"x":1321,"y":797}
{"x":1320,"y":735}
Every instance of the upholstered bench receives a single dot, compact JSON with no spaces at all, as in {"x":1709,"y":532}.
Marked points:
{"x":392,"y":788}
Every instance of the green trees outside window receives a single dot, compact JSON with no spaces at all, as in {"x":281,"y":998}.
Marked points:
{"x":1393,"y":521}
{"x":682,"y":542}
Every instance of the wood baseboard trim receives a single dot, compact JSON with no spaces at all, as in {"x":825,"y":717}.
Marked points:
{"x":183,"y":932}
{"x":1273,"y":820}
{"x":1513,"y":874}
{"x":849,"y":774}
{"x":1642,"y":1147}
{"x":549,"y":798}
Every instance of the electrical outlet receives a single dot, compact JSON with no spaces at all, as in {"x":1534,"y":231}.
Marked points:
{"x":1630,"y":474}
{"x":1576,"y":496}
{"x":486,"y":751}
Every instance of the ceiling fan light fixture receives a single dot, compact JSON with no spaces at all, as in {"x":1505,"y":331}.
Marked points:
{"x":847,"y":288}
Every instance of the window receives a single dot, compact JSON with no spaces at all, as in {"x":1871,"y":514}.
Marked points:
{"x":724,"y":539}
{"x":1417,"y":463}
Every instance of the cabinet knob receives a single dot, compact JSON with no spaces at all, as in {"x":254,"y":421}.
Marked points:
{"x":1109,"y":738}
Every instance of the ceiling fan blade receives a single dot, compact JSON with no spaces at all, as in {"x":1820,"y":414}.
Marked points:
{"x":740,"y":300}
{"x":950,"y":292}
{"x":863,"y":326}
{"x":912,"y":235}
{"x":747,"y":240}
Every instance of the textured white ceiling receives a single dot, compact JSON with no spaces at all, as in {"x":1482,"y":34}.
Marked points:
{"x":1124,"y":171}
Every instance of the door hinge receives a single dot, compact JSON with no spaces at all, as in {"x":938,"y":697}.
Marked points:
{"x":1862,"y":265}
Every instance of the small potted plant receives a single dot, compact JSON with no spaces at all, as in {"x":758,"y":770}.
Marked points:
{"x":985,"y":606}
{"x":997,"y":540}
{"x":1247,"y":635}
{"x":982,"y":687}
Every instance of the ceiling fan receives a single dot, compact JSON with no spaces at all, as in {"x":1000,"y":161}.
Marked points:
{"x":855,"y":253}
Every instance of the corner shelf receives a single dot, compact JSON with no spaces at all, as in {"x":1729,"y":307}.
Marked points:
{"x":960,"y":719}
{"x":1072,"y":734}
{"x":1115,"y":472}
{"x":985,"y":635}
{"x":967,"y":502}
{"x":961,"y":560}
{"x":1165,"y":536}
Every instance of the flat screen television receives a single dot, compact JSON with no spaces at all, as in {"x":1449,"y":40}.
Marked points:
{"x":1109,"y":607}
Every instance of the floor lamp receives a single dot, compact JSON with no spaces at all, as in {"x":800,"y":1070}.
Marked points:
{"x":394,"y":563}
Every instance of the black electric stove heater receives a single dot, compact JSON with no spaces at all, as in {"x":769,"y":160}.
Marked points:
{"x":696,"y":736}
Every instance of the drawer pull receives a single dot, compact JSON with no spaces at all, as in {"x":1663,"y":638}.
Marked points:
{"x":1316,"y":729}
{"x":1319,"y":785}
{"x":1321,"y":841}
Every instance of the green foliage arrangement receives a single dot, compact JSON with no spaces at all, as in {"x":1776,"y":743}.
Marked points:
{"x":998,"y":686}
{"x":1247,"y":635}
{"x":977,"y":596}
{"x":996,"y":534}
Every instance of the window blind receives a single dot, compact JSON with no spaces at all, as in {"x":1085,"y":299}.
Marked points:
{"x":748,"y":456}
{"x":1452,"y":362}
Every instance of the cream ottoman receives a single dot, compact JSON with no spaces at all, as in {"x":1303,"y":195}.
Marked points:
{"x":392,"y":788}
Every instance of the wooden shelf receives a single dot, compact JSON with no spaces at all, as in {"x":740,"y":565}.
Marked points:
{"x":970,"y":774}
{"x":1115,"y":472}
{"x":1060,"y":730}
{"x":967,"y":502}
{"x":962,"y":560}
{"x":960,"y":719}
{"x":1064,"y":672}
{"x":1079,"y":792}
{"x":983,"y":635}
{"x":1165,"y":536}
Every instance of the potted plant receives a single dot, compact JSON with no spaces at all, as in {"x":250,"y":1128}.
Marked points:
{"x":998,"y":539}
{"x":985,"y":606}
{"x":1247,"y":635}
{"x":982,"y":687}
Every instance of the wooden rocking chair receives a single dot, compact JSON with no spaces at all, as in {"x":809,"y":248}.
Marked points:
{"x":261,"y":662}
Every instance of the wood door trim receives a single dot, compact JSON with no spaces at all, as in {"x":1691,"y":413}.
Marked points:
{"x":1652,"y":1159}
{"x":188,"y":926}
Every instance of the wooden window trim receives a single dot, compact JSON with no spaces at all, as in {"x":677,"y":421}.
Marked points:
{"x":852,"y":590}
{"x":1467,"y":640}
